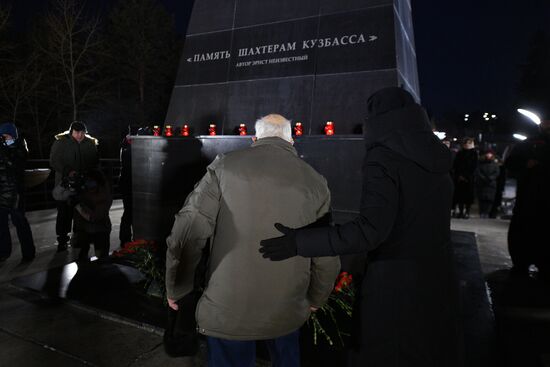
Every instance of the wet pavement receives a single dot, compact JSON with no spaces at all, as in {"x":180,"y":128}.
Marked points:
{"x":40,"y":329}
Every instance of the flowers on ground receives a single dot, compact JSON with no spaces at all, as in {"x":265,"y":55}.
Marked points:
{"x":340,"y":303}
{"x":144,"y":255}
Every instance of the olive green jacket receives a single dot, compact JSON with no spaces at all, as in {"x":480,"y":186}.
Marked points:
{"x":68,"y":155}
{"x":236,"y":204}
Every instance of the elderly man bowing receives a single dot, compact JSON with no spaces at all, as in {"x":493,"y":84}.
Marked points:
{"x":236,"y":203}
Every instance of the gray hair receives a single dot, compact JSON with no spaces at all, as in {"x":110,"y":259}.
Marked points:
{"x":273,"y":125}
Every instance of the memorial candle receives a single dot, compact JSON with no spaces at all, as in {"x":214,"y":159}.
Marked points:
{"x":242,"y":129}
{"x":168,"y":130}
{"x":212,"y":130}
{"x":298,"y":130}
{"x":156,"y":130}
{"x":329,"y":128}
{"x":185,"y":130}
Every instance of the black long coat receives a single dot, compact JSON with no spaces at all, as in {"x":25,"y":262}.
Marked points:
{"x":487,"y":173}
{"x":406,"y":310}
{"x":464,"y":169}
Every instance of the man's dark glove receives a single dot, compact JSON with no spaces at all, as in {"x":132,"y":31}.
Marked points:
{"x":280,"y":248}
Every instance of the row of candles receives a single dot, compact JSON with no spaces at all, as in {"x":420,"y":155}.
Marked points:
{"x":184,"y":131}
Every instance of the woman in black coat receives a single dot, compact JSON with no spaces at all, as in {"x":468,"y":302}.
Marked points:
{"x":464,"y":169}
{"x":406,"y":308}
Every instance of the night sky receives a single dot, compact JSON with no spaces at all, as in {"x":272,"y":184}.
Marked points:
{"x":469,"y":52}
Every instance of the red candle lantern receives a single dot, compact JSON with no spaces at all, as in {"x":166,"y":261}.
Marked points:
{"x":298,"y":130}
{"x":156,"y":130}
{"x":212,"y":130}
{"x":329,"y":128}
{"x":168,"y":130}
{"x":242,"y":129}
{"x":185,"y":130}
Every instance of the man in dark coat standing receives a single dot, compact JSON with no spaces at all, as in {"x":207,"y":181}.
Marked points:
{"x":406,"y":310}
{"x":464,"y":168}
{"x":73,"y":153}
{"x":529,"y":163}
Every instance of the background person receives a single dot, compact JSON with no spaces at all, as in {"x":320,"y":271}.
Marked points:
{"x":246,"y":298}
{"x":13,"y":154}
{"x":501,"y":183}
{"x":464,"y":168}
{"x":487,"y":174}
{"x":529,"y":163}
{"x":92,"y":224}
{"x":125,"y":187}
{"x":73,"y":153}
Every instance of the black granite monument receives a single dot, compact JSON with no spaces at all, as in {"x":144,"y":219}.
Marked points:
{"x":312,"y":61}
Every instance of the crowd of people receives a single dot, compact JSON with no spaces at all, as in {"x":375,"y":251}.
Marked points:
{"x":483,"y":174}
{"x":477,"y":174}
{"x":82,"y":193}
{"x":264,"y":214}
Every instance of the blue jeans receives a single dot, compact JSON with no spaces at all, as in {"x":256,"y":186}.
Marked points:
{"x":284,"y":352}
{"x":23,"y":232}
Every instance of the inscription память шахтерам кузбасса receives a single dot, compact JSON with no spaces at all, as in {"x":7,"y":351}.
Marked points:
{"x":345,"y":40}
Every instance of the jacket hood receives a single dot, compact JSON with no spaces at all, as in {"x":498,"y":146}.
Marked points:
{"x":9,"y":128}
{"x":397,"y":122}
{"x":67,"y":135}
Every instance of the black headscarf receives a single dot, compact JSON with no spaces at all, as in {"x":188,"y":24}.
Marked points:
{"x":396,"y":121}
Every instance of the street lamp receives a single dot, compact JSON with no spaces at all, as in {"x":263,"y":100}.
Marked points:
{"x":531,"y":115}
{"x":520,"y":137}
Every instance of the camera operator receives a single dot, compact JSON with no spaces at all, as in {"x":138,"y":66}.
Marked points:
{"x":13,"y":154}
{"x":92,"y":202}
{"x":72,"y":153}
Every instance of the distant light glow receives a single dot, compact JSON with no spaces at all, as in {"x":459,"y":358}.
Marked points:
{"x":520,"y":137}
{"x":440,"y":134}
{"x":466,"y":115}
{"x":465,"y":119}
{"x":493,"y":116}
{"x":531,"y":115}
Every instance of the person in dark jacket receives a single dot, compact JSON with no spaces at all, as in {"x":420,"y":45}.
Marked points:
{"x":529,"y":163}
{"x":91,"y":218}
{"x":13,"y":154}
{"x":487,"y":173}
{"x":125,"y":186}
{"x":501,"y":183}
{"x":73,"y":153}
{"x":464,"y":169}
{"x":406,"y":311}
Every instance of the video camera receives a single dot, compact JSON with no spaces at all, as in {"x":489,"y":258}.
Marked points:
{"x":70,"y":188}
{"x":75,"y":183}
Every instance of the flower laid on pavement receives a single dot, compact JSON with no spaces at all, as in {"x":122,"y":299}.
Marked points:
{"x":144,"y":255}
{"x":340,"y":303}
